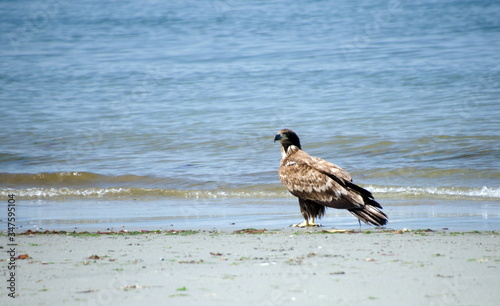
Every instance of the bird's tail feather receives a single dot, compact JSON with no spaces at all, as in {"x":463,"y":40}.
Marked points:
{"x":367,"y":195}
{"x":370,"y":215}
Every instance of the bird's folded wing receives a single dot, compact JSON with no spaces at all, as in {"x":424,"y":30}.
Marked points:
{"x":306,"y":182}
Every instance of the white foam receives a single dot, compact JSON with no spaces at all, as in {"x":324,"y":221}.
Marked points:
{"x":484,"y":192}
{"x":123,"y":192}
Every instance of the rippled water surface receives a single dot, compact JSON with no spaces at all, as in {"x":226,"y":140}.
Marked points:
{"x":162,"y":106}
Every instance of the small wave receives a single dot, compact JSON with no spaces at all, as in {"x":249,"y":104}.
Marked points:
{"x":64,"y":185}
{"x":431,"y":173}
{"x":59,"y":179}
{"x":61,"y":193}
{"x":75,"y":179}
{"x":483,"y":193}
{"x":439,"y":192}
{"x":131,"y":193}
{"x":81,"y":185}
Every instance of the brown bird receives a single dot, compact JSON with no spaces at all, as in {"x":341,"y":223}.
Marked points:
{"x":319,"y":184}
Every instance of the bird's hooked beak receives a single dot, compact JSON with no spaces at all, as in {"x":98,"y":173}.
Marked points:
{"x":278,"y":137}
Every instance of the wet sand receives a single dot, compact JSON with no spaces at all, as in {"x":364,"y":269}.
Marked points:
{"x":247,"y":267}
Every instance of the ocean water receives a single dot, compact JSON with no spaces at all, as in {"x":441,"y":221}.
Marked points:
{"x":159,"y":114}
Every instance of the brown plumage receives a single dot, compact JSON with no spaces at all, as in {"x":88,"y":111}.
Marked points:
{"x":319,"y":184}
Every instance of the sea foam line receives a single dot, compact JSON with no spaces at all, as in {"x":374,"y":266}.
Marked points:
{"x":135,"y":192}
{"x":124,"y":192}
{"x":484,"y":192}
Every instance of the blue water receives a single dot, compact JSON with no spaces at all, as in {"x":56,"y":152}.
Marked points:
{"x":177,"y":101}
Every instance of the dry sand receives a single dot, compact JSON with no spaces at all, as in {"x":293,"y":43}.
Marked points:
{"x":281,"y":267}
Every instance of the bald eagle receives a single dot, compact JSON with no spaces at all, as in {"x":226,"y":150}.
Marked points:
{"x":319,"y":184}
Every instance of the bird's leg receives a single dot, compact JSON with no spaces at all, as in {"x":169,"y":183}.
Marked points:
{"x":314,"y":224}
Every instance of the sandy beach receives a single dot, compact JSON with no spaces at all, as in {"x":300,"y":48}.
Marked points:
{"x":256,"y":267}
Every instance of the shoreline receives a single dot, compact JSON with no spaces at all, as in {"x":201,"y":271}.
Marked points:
{"x":248,"y":230}
{"x":258,"y":267}
{"x":231,"y":214}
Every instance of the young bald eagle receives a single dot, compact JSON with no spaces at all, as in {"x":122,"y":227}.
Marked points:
{"x":319,"y":184}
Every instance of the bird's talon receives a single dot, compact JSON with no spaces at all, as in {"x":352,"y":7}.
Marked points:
{"x":304,"y":224}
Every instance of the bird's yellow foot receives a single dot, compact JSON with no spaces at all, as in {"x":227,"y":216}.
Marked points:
{"x":306,"y":224}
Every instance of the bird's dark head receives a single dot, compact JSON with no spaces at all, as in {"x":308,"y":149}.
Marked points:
{"x":287,"y":137}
